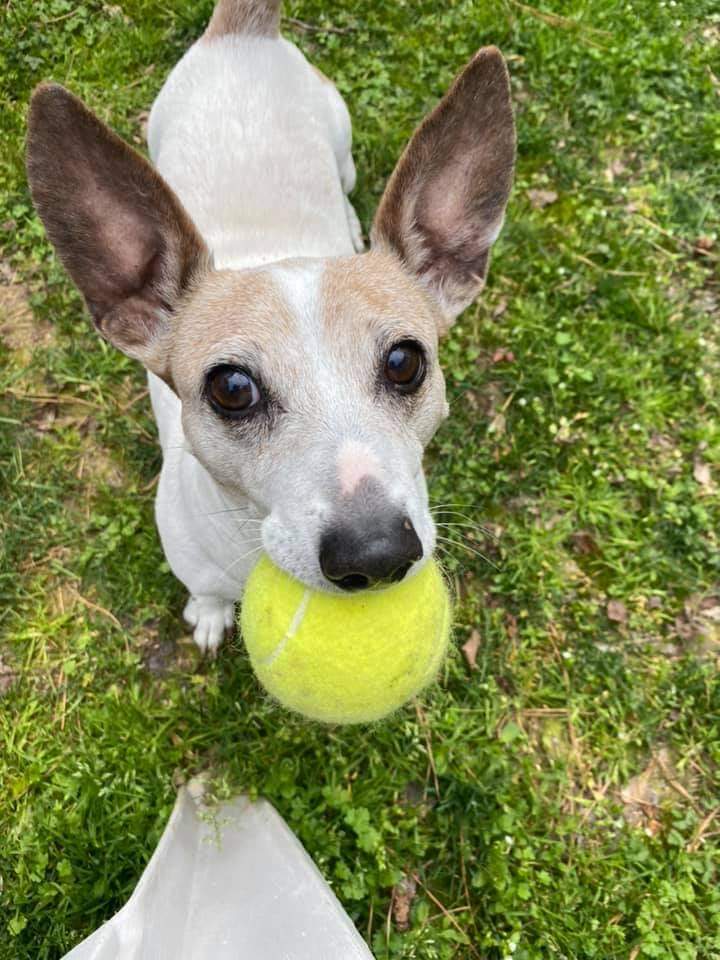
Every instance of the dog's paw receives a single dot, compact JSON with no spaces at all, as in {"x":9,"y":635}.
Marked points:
{"x":212,"y":618}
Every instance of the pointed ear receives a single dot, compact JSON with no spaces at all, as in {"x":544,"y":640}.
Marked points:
{"x":118,"y":228}
{"x":445,"y":202}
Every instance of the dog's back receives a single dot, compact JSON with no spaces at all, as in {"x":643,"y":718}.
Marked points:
{"x":255,"y":142}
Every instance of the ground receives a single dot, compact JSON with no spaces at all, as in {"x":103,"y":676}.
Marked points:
{"x":556,"y":793}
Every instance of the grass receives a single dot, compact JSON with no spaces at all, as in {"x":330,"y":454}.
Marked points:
{"x":560,"y":798}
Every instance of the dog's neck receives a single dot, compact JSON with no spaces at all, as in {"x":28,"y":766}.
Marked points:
{"x":257,"y":192}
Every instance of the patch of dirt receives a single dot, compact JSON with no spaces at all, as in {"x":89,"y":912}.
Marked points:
{"x":160,"y":656}
{"x":20,"y":331}
{"x":163,"y":655}
{"x":97,"y":465}
{"x":7,"y":677}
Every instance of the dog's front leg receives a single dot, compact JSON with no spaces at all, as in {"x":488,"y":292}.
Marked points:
{"x":211,"y":540}
{"x":212,"y":618}
{"x":211,"y":544}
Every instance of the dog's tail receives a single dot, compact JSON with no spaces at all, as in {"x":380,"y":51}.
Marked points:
{"x":255,"y":18}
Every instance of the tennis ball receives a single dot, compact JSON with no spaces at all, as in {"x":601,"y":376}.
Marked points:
{"x":344,"y":659}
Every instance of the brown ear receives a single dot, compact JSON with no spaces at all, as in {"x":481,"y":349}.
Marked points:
{"x":118,"y":228}
{"x":445,"y":202}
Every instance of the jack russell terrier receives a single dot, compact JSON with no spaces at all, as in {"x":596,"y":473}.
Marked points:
{"x":294,"y":378}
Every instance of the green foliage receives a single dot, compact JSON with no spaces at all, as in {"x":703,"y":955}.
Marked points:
{"x":584,"y":434}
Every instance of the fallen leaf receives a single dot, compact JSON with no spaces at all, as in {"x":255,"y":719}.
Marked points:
{"x":541,"y":198}
{"x":500,"y":309}
{"x":491,"y":398}
{"x":470,"y":649}
{"x":497,"y":425}
{"x":701,"y":472}
{"x":615,"y":168}
{"x":617,"y":611}
{"x":684,"y":628}
{"x":7,"y":676}
{"x":403,"y":895}
{"x":703,"y":245}
{"x":644,"y":793}
{"x":584,"y":543}
{"x":502,"y":355}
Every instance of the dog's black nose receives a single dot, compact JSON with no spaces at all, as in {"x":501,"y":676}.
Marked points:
{"x":357,"y":556}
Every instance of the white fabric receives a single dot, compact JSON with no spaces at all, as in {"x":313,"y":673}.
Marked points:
{"x":233,"y":883}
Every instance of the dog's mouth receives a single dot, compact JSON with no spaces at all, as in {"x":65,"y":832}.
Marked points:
{"x":355,"y":582}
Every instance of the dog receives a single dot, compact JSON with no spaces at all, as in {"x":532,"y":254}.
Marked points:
{"x":293,"y":376}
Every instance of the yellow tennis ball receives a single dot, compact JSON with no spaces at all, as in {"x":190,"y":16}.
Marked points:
{"x":345,"y":659}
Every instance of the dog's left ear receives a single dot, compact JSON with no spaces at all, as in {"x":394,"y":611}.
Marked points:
{"x":445,"y":202}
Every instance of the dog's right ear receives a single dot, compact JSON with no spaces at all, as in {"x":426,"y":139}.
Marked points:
{"x":119,"y":229}
{"x":445,"y":202}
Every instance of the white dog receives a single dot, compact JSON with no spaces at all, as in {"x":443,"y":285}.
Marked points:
{"x":294,"y":378}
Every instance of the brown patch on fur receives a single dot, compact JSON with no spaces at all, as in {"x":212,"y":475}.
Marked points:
{"x":120,"y":231}
{"x":228,"y":308}
{"x":373,"y":288}
{"x":447,"y":195}
{"x":254,"y":18}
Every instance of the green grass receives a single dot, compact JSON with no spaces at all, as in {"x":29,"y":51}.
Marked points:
{"x":509,"y":794}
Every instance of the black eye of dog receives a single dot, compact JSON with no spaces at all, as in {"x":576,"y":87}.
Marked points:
{"x":232,"y":391}
{"x":405,"y":366}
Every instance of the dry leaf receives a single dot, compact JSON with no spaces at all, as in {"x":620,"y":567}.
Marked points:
{"x":615,"y":168}
{"x":403,"y":895}
{"x":584,"y":543}
{"x":497,"y":425}
{"x":541,"y":198}
{"x":7,"y":676}
{"x":703,"y":245}
{"x":701,"y":472}
{"x":617,"y":611}
{"x":645,"y":793}
{"x":503,"y":355}
{"x":500,"y":309}
{"x":470,"y":649}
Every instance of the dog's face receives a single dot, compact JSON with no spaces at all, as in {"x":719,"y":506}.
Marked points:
{"x":309,"y":386}
{"x":313,"y":387}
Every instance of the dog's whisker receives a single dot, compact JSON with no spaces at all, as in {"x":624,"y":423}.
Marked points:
{"x":238,"y":560}
{"x":217,"y":513}
{"x":475,"y":528}
{"x":455,"y":506}
{"x":470,"y":524}
{"x":465,"y":546}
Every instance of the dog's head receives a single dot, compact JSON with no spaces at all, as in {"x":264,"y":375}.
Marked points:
{"x":311,"y":386}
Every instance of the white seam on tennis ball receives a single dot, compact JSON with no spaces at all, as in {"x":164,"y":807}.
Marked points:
{"x":292,"y":629}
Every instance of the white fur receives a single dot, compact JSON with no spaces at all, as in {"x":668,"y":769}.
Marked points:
{"x":257,"y":147}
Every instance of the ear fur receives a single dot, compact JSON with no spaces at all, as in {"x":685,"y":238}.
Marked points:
{"x":120,"y":231}
{"x":445,"y":201}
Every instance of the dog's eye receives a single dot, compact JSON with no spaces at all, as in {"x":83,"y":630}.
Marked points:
{"x":232,"y":391}
{"x":405,"y":366}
